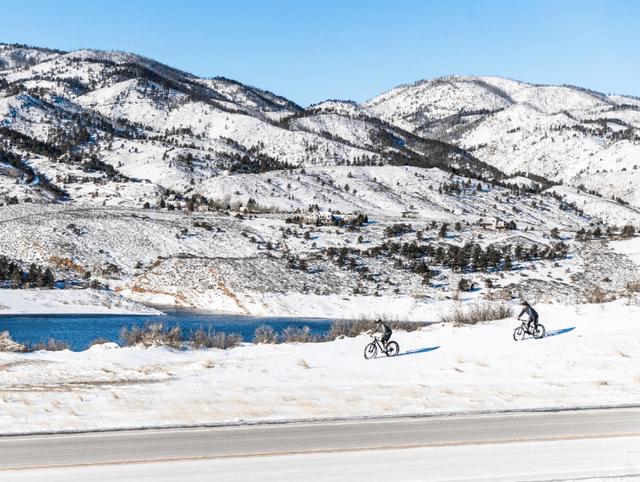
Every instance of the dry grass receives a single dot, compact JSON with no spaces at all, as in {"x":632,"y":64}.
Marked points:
{"x":356,"y":327}
{"x":7,"y":344}
{"x":477,"y":312}
{"x":303,"y":364}
{"x":152,"y":335}
{"x":265,"y":334}
{"x":633,"y":287}
{"x":293,"y":334}
{"x":50,"y":345}
{"x":598,"y":295}
{"x":213,"y":339}
{"x":99,"y":341}
{"x":157,"y":334}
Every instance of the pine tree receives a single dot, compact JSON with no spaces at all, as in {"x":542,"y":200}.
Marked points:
{"x":507,"y":266}
{"x":443,"y":230}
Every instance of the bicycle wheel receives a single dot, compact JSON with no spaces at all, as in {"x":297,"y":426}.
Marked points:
{"x":392,"y":348}
{"x":518,"y":334}
{"x":540,"y":332}
{"x":370,"y":350}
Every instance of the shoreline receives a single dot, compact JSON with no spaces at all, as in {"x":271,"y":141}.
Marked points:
{"x":69,"y":302}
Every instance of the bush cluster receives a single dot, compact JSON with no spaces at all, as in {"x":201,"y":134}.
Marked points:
{"x":152,"y":335}
{"x":214,"y":339}
{"x":157,"y":334}
{"x":50,"y":345}
{"x":8,"y":345}
{"x":477,"y":312}
{"x":339,"y":328}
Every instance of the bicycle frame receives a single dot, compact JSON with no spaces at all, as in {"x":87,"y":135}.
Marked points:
{"x":377,"y":341}
{"x":525,"y":327}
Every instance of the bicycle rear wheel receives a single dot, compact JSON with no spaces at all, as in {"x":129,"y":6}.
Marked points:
{"x":518,"y":334}
{"x":370,"y":350}
{"x":540,"y":332}
{"x":392,"y":348}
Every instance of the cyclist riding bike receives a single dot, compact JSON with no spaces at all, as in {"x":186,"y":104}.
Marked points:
{"x":533,"y":316}
{"x":384,"y":330}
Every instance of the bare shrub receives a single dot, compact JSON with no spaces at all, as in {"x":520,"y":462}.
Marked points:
{"x":353,"y":328}
{"x":50,"y":345}
{"x":7,"y":344}
{"x":633,"y":286}
{"x":214,"y":339}
{"x":152,"y":335}
{"x":294,"y":334}
{"x":476,"y":313}
{"x":350,"y":328}
{"x":403,"y":325}
{"x":99,"y":341}
{"x":598,"y":295}
{"x":265,"y":334}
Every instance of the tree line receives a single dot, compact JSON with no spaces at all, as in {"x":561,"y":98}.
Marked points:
{"x":13,"y":274}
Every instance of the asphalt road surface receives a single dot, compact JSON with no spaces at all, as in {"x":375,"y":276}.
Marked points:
{"x":506,"y":446}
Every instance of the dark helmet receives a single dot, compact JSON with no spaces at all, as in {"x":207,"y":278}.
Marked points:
{"x":525,"y":303}
{"x":378,"y":321}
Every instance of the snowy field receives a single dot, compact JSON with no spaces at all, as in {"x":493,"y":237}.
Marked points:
{"x":588,"y":359}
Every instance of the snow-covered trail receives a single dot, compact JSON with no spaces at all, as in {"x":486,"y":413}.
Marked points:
{"x":588,"y":359}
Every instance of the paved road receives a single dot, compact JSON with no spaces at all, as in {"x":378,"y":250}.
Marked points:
{"x":614,"y":430}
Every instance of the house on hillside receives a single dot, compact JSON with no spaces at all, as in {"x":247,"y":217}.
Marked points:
{"x":492,"y":223}
{"x":317,"y":217}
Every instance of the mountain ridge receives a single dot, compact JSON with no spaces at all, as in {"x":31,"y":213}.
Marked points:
{"x":148,"y":179}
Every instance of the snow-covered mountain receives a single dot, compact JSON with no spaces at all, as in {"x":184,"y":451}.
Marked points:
{"x":566,"y":134}
{"x":117,"y":170}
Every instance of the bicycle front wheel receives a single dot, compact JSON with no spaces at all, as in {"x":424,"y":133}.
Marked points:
{"x":518,"y":334}
{"x":370,"y":351}
{"x":392,"y":348}
{"x":540,"y":332}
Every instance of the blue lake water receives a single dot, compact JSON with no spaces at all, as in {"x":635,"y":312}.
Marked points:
{"x":80,"y":330}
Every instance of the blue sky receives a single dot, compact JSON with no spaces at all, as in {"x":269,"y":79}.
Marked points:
{"x":311,"y":50}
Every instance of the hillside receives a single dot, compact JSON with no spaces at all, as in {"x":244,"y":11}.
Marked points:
{"x":120,"y":173}
{"x":565,"y":133}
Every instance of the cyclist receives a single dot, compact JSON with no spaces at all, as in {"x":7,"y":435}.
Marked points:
{"x":533,"y":316}
{"x":385,"y":330}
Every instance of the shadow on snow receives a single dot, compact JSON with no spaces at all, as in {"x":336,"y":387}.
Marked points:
{"x":559,"y":332}
{"x":418,"y":351}
{"x":552,"y":333}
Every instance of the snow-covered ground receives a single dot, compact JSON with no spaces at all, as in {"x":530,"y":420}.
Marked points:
{"x":32,"y":301}
{"x":588,"y":359}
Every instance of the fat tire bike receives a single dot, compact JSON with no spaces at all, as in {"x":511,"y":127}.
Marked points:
{"x":371,"y":350}
{"x":527,"y":328}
